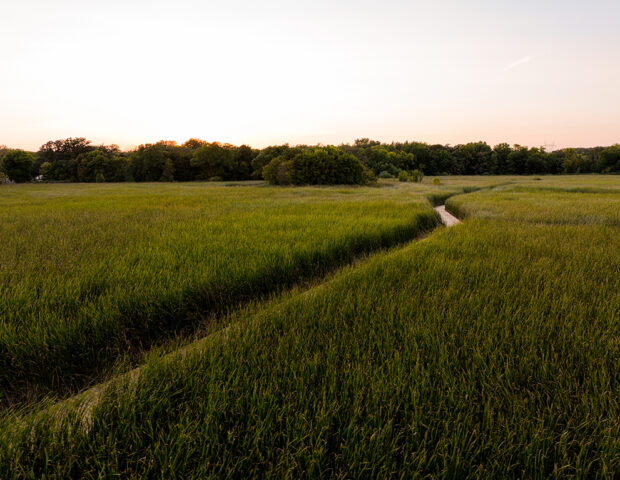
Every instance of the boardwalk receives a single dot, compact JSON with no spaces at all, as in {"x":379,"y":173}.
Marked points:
{"x":447,"y":218}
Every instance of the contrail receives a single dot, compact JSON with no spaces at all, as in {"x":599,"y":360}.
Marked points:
{"x":516,"y":63}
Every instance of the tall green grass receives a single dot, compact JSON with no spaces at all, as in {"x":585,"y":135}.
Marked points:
{"x":487,"y":350}
{"x":92,"y":274}
{"x":549,"y":205}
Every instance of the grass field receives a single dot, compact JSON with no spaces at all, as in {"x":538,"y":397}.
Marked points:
{"x":488,"y":350}
{"x":92,"y":273}
{"x":534,"y":205}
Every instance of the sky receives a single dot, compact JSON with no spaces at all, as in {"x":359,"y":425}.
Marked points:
{"x":536,"y":73}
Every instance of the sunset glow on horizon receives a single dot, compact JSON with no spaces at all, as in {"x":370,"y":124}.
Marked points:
{"x":263,"y":73}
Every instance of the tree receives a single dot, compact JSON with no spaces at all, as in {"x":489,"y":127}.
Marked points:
{"x":500,"y":155}
{"x":517,"y":160}
{"x":420,"y":151}
{"x":168,"y":171}
{"x":45,"y":169}
{"x":4,"y":178}
{"x":147,"y":162}
{"x":609,"y":159}
{"x":88,"y":166}
{"x":317,"y":166}
{"x":213,"y":160}
{"x":278,"y":171}
{"x":60,"y":154}
{"x":536,"y":161}
{"x":181,"y":159}
{"x":76,"y":159}
{"x":380,"y":159}
{"x":18,"y":165}
{"x":194,"y":143}
{"x":440,"y":159}
{"x":267,"y":154}
{"x":573,"y":162}
{"x":476,"y":158}
{"x":242,"y":162}
{"x":366,"y":143}
{"x":327,"y":166}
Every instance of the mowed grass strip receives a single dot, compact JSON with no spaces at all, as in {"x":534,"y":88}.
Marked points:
{"x":92,"y":273}
{"x":488,"y":350}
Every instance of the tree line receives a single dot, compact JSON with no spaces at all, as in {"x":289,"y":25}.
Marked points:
{"x":78,"y":160}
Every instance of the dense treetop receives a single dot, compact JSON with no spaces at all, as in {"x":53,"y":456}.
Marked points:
{"x":78,"y":160}
{"x":317,"y":166}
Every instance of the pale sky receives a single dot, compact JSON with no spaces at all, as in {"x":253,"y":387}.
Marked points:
{"x":268,"y":72}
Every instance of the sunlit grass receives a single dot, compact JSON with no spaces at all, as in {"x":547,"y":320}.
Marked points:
{"x":90,"y":273}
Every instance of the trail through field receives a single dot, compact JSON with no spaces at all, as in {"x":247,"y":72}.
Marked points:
{"x":447,"y":218}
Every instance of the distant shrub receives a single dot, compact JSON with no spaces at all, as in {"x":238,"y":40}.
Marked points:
{"x":403,"y":176}
{"x":317,"y":166}
{"x":283,"y":173}
{"x":215,"y":179}
{"x":436,"y":181}
{"x":100,"y":178}
{"x":270,"y":171}
{"x":385,"y":174}
{"x":417,"y":176}
{"x":4,"y":178}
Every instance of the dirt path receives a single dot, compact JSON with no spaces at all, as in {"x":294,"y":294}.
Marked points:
{"x":447,"y":218}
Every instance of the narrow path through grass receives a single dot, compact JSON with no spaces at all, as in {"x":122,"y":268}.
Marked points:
{"x":447,"y":218}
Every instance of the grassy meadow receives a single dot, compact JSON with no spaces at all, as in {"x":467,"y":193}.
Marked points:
{"x":89,"y":274}
{"x":486,"y":350}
